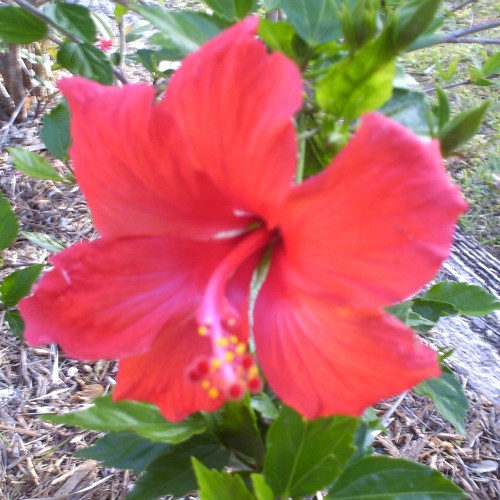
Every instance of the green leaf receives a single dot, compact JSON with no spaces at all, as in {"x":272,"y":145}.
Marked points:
{"x":151,"y":58}
{"x":44,"y":241}
{"x":187,"y":30}
{"x":471,"y":300}
{"x":19,"y":26}
{"x":359,"y":20}
{"x":261,"y":489}
{"x":448,"y":396}
{"x":8,"y":223}
{"x":316,"y":21}
{"x":420,"y":315}
{"x":139,"y":30}
{"x":168,"y":51}
{"x":384,"y":478}
{"x":15,"y":321}
{"x":102,"y":25}
{"x":75,"y":19}
{"x":84,"y":59}
{"x":369,"y":425}
{"x":432,"y":310}
{"x":172,"y":473}
{"x":278,"y":36}
{"x":55,"y":131}
{"x":34,"y":165}
{"x":426,"y":40}
{"x":419,"y":323}
{"x":304,"y":456}
{"x":18,"y":284}
{"x":120,"y":10}
{"x":215,"y":485}
{"x":410,"y":108}
{"x":402,"y":80}
{"x":316,"y":156}
{"x":413,"y":19}
{"x":401,"y":310}
{"x":231,"y":9}
{"x":125,"y":450}
{"x":442,"y":111}
{"x":235,"y":425}
{"x":491,"y":65}
{"x":142,"y":418}
{"x":360,"y":83}
{"x":447,"y":74}
{"x":461,"y":128}
{"x":265,"y":406}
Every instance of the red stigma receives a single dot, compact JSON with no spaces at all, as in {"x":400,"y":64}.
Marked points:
{"x":236,"y":392}
{"x":247,"y":361}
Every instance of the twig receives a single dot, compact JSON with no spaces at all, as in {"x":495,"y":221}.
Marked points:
{"x":122,"y":41}
{"x":472,"y":29}
{"x":457,"y":84}
{"x":458,"y":36}
{"x":15,"y":266}
{"x":55,"y":365}
{"x":38,"y":13}
{"x":19,"y":430}
{"x":12,"y":120}
{"x":484,"y":41}
{"x":462,"y":5}
{"x":119,"y":74}
{"x":392,"y":409}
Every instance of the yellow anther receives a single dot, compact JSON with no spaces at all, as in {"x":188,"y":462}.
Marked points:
{"x":215,"y":363}
{"x":232,"y":321}
{"x":233,"y":339}
{"x":229,"y":356}
{"x":240,"y":349}
{"x":205,"y":385}
{"x":213,"y":393}
{"x":253,"y":371}
{"x":222,"y":342}
{"x":203,"y":330}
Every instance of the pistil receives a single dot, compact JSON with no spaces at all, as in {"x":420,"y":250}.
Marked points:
{"x":230,"y":371}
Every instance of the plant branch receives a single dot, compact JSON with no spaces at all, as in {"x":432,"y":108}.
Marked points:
{"x":12,"y":119}
{"x":472,"y":29}
{"x":458,"y":36}
{"x":385,"y":420}
{"x":15,"y":266}
{"x":122,"y":40}
{"x":462,"y":5}
{"x":458,"y":84}
{"x":38,"y":13}
{"x":484,"y":41}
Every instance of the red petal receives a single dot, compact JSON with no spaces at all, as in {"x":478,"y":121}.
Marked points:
{"x":135,"y":170}
{"x":376,"y":225}
{"x":234,"y":103}
{"x":322,"y":359}
{"x":110,"y":299}
{"x":159,"y":376}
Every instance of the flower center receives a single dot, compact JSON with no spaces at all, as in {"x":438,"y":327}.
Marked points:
{"x":230,"y":371}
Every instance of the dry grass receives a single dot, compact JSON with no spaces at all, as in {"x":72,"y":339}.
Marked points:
{"x":417,"y":432}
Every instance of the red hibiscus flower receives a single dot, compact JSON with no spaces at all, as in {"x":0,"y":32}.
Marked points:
{"x":189,"y":194}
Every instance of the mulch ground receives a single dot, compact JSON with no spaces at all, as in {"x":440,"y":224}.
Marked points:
{"x":37,"y":458}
